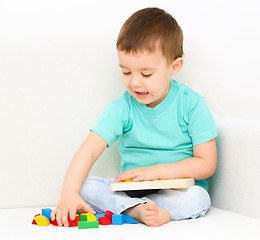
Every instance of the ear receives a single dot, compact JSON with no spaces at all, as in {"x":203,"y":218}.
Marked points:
{"x":176,"y":65}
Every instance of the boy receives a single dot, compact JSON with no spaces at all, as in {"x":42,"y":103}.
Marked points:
{"x":165,"y":131}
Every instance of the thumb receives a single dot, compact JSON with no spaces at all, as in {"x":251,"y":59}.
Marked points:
{"x":86,"y":207}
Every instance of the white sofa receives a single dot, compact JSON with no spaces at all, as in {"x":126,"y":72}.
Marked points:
{"x":234,"y":188}
{"x":55,"y":82}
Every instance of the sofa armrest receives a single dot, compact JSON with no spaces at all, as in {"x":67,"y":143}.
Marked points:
{"x":235,"y":184}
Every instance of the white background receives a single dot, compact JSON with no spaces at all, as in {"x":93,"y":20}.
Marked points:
{"x":59,"y":70}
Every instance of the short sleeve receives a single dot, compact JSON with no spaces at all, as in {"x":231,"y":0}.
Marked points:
{"x":112,"y":123}
{"x":201,"y":126}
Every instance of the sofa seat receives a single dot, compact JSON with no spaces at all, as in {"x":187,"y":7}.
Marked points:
{"x":217,"y":224}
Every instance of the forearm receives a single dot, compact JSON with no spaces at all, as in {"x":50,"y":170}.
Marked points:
{"x":195,"y":167}
{"x":77,"y":172}
{"x":82,"y":162}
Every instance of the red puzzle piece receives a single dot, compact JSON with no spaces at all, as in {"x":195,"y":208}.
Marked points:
{"x":109,"y":214}
{"x":33,"y":222}
{"x":104,"y":221}
{"x":71,"y":223}
{"x":54,"y":223}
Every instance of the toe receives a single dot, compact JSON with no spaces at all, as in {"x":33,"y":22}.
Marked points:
{"x":151,"y":206}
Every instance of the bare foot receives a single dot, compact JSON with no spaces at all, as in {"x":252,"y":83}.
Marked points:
{"x":149,"y":214}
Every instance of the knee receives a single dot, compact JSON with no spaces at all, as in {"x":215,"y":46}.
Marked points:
{"x":191,"y":203}
{"x":199,"y":201}
{"x":91,"y":186}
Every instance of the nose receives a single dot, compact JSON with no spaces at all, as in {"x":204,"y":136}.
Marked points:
{"x":135,"y":82}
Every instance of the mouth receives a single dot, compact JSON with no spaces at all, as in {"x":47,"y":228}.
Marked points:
{"x":141,"y":94}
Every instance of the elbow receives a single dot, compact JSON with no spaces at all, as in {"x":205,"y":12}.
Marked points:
{"x":207,"y":169}
{"x":211,"y":167}
{"x":211,"y":171}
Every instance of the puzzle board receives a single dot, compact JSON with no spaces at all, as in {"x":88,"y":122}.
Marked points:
{"x":156,"y":184}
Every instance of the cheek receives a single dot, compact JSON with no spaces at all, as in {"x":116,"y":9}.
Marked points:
{"x":160,"y":82}
{"x":124,"y":80}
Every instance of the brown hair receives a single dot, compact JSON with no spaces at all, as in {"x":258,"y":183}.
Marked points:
{"x":148,"y":27}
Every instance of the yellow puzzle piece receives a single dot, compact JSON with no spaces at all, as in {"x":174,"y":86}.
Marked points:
{"x":42,"y":220}
{"x":128,"y":180}
{"x":90,"y":217}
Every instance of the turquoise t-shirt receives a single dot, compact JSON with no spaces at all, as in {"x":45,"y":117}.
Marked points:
{"x":164,"y":134}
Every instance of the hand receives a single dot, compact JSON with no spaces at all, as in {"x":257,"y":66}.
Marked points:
{"x":139,"y":174}
{"x":69,"y":204}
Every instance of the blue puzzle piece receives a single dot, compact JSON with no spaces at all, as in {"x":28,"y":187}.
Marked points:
{"x":47,"y":213}
{"x":118,"y":219}
{"x":129,"y":220}
{"x":98,"y":215}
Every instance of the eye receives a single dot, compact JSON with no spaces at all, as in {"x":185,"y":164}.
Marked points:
{"x":146,"y":75}
{"x":126,"y":73}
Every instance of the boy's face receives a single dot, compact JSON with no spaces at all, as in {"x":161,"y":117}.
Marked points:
{"x":146,"y":76}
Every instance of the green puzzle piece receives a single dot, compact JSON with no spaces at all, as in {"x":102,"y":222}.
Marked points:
{"x":85,"y":224}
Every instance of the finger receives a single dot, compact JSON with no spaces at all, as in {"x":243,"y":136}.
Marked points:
{"x":53,"y":214}
{"x":137,"y":179}
{"x":72,"y":214}
{"x":64,"y":218}
{"x":124,"y":176}
{"x":58,"y":218}
{"x":87,"y":208}
{"x":129,"y":176}
{"x":118,"y":178}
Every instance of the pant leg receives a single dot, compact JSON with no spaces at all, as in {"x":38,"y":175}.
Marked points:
{"x":96,"y":192}
{"x":193,"y":202}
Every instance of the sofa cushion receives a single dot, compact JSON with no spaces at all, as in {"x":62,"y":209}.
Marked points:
{"x":217,"y":224}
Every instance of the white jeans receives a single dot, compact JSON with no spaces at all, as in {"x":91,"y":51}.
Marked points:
{"x":193,"y":202}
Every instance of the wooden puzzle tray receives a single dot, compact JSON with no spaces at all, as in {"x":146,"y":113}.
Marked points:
{"x":156,"y":184}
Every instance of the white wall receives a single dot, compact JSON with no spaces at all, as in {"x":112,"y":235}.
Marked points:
{"x":59,"y":69}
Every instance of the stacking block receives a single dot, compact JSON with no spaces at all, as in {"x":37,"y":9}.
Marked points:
{"x":42,"y":220}
{"x":109,"y":214}
{"x":91,"y":217}
{"x":90,"y":224}
{"x":47,"y":213}
{"x":104,"y":221}
{"x":33,"y":222}
{"x":129,"y":220}
{"x":83,"y":217}
{"x":98,"y":215}
{"x":118,"y":219}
